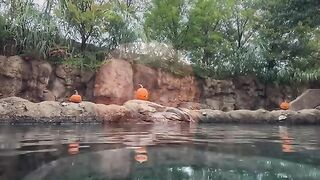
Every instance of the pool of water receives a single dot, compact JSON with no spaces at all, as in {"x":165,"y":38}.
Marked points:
{"x":168,"y":152}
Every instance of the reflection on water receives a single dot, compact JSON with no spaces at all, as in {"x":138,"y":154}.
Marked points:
{"x":159,"y":152}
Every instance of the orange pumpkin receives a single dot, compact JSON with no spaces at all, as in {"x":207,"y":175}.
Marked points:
{"x":73,"y":148}
{"x":284,"y":105}
{"x":141,"y":158}
{"x":75,"y":98}
{"x":142,"y":93}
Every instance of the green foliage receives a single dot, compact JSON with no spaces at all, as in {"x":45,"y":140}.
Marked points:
{"x":290,"y":38}
{"x":203,"y":38}
{"x":164,"y":22}
{"x":277,"y":41}
{"x":4,"y":33}
{"x":33,"y":31}
{"x":118,"y":33}
{"x":174,"y":67}
{"x":85,"y":17}
{"x":86,"y":60}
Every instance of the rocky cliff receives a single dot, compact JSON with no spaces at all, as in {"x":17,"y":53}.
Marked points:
{"x":117,"y":79}
{"x":37,"y":80}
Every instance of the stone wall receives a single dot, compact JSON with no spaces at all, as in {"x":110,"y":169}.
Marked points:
{"x":246,"y":93}
{"x":37,"y":80}
{"x":117,"y":80}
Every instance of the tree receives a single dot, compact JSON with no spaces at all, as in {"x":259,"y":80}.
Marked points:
{"x":86,"y":17}
{"x":241,"y":32}
{"x":204,"y":39}
{"x":165,"y":22}
{"x":290,"y":37}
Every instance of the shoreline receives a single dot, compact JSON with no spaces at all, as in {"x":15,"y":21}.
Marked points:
{"x":14,"y":110}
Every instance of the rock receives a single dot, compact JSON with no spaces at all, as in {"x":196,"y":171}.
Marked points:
{"x":194,"y":105}
{"x":48,"y":96}
{"x":157,"y":113}
{"x":179,"y":113}
{"x":173,"y":90}
{"x":113,"y":113}
{"x":308,"y":100}
{"x":305,"y":116}
{"x":13,"y":67}
{"x":219,"y":94}
{"x":18,"y":110}
{"x":59,"y":88}
{"x":165,"y":88}
{"x":67,"y":79}
{"x":247,"y":116}
{"x":117,"y":79}
{"x":143,"y":107}
{"x":249,"y":93}
{"x":211,"y":116}
{"x":113,"y":82}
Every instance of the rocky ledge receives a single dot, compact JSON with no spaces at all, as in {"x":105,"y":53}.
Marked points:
{"x":16,"y":110}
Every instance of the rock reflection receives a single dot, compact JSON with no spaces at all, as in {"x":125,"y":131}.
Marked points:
{"x":163,"y":151}
{"x":172,"y":163}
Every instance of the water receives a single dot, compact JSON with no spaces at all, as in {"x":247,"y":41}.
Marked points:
{"x":166,"y":152}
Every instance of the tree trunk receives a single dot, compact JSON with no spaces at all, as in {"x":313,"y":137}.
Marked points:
{"x":83,"y":43}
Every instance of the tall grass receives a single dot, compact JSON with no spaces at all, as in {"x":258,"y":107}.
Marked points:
{"x":33,"y":30}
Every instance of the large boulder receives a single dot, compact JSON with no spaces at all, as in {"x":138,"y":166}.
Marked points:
{"x":165,"y":88}
{"x":18,"y":110}
{"x":27,"y":79}
{"x":310,"y":99}
{"x":117,"y":80}
{"x":153,"y":112}
{"x":308,"y":116}
{"x":113,"y":82}
{"x":113,"y":113}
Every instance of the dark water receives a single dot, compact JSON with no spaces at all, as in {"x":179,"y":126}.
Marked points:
{"x":168,"y":152}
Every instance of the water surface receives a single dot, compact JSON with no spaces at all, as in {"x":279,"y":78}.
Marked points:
{"x":168,"y":152}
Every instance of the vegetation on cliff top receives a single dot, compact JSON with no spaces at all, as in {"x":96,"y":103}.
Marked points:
{"x":274,"y":40}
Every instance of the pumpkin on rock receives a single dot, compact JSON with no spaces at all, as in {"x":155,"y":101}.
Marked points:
{"x":75,"y":98}
{"x":142,"y":93}
{"x":284,"y":105}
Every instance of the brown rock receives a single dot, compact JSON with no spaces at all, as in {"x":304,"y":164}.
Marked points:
{"x":143,"y":107}
{"x":48,"y":96}
{"x":67,"y":79}
{"x":13,"y":67}
{"x":113,"y":82}
{"x":165,"y":88}
{"x":310,"y":99}
{"x":219,"y":94}
{"x":193,"y":105}
{"x":249,"y":93}
{"x":59,"y":89}
{"x":112,"y":113}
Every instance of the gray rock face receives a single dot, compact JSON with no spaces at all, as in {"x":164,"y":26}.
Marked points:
{"x":245,"y":92}
{"x":37,"y":80}
{"x":310,"y":99}
{"x":18,"y":110}
{"x":65,"y":79}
